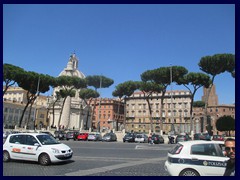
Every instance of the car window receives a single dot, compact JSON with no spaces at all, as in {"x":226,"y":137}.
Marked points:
{"x":47,"y":140}
{"x":204,"y":149}
{"x":17,"y":139}
{"x":30,"y":140}
{"x":176,"y":149}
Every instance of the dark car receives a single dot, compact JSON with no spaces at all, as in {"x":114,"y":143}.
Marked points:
{"x":61,"y":135}
{"x":205,"y":136}
{"x":218,"y":138}
{"x":71,"y":135}
{"x":129,"y":137}
{"x":182,"y":137}
{"x":156,"y":139}
{"x":109,"y":137}
{"x":197,"y":136}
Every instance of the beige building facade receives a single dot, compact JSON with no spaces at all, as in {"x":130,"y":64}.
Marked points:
{"x":14,"y":102}
{"x":175,"y":112}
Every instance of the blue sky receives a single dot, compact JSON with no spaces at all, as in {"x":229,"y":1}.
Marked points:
{"x":119,"y":41}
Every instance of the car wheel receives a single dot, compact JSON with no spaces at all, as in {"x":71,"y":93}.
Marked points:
{"x":6,"y":156}
{"x":44,"y":159}
{"x":189,"y":172}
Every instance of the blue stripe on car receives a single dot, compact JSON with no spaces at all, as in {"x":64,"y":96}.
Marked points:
{"x":197,"y":162}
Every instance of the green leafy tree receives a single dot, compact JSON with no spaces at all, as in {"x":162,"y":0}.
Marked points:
{"x":53,"y":104}
{"x":225,"y":123}
{"x":88,"y":95}
{"x":162,"y":76}
{"x":198,"y":104}
{"x":213,"y":66}
{"x":34,"y":84}
{"x":148,"y":88}
{"x":196,"y":80}
{"x":98,"y":81}
{"x":122,"y":91}
{"x":11,"y":75}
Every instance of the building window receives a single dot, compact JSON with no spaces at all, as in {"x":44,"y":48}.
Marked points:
{"x":41,"y":116}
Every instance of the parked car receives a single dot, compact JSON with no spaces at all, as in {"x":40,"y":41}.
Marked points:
{"x":205,"y":136}
{"x":141,"y":138}
{"x":109,"y":137}
{"x":156,"y":139}
{"x":218,"y":138}
{"x":5,"y":134}
{"x":129,"y":137}
{"x":82,"y":136}
{"x":47,"y":132}
{"x":39,"y":147}
{"x":94,"y":137}
{"x":61,"y":135}
{"x":71,"y":135}
{"x":196,"y":136}
{"x":196,"y":158}
{"x":182,"y":137}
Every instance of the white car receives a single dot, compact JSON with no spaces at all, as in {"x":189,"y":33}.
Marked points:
{"x":196,"y":158}
{"x":141,"y":138}
{"x":39,"y":147}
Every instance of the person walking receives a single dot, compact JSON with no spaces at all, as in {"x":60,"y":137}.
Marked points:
{"x":230,"y":152}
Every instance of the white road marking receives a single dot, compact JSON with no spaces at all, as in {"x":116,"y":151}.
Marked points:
{"x":113,"y":167}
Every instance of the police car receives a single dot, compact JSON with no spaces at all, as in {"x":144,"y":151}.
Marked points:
{"x":196,"y":158}
{"x":39,"y":147}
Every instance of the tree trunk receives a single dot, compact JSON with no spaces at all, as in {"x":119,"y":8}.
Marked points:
{"x":24,"y":110}
{"x":60,"y":116}
{"x":150,"y":114}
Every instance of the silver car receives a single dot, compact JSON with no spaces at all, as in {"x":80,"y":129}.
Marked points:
{"x":141,"y":138}
{"x":109,"y":137}
{"x":94,"y":137}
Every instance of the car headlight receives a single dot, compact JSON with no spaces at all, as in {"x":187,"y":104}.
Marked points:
{"x":55,"y":151}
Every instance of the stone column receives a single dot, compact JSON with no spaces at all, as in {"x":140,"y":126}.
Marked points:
{"x":66,"y":113}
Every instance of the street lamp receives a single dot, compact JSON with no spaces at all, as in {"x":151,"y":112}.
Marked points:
{"x":172,"y":125}
{"x":98,"y":123}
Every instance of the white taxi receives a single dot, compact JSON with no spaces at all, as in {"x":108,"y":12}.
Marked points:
{"x":39,"y":147}
{"x":196,"y":158}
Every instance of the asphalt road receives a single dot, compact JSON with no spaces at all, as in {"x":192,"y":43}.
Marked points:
{"x":100,"y":159}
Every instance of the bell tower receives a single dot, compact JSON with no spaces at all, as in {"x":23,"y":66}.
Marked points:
{"x":213,"y":98}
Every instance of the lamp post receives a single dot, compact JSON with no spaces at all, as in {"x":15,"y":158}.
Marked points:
{"x":98,"y":123}
{"x":172,"y":125}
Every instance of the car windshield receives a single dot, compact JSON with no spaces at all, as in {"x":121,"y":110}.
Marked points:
{"x":129,"y":134}
{"x":46,"y":139}
{"x":108,"y":134}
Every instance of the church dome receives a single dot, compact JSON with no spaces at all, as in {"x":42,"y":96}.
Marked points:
{"x":72,"y":68}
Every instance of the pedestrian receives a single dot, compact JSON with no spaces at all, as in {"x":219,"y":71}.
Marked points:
{"x":230,"y":152}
